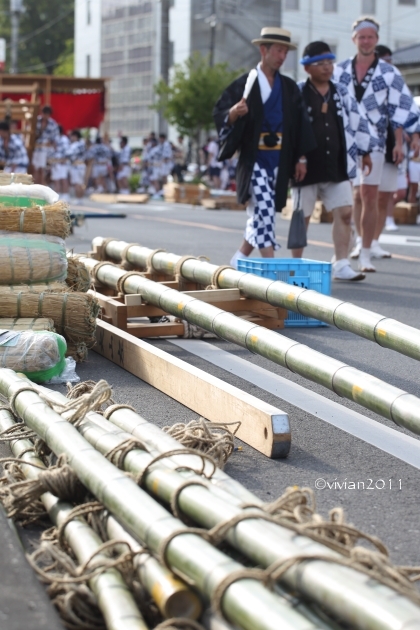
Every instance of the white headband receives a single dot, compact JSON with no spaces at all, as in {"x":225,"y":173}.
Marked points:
{"x":365,"y":24}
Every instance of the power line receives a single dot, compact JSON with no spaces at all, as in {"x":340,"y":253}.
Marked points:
{"x":41,"y":29}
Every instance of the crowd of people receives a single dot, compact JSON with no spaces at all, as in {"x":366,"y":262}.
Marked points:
{"x":348,"y":137}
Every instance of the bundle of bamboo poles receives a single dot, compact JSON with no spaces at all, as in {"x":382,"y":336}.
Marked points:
{"x":74,"y":314}
{"x":26,"y":323}
{"x":237,"y":592}
{"x":52,"y":219}
{"x":31,"y":258}
{"x":326,"y":593}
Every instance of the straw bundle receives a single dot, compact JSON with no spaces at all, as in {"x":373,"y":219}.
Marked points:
{"x":74,"y":314}
{"x":78,"y":277}
{"x":78,"y":351}
{"x":39,"y":355}
{"x":54,"y":219}
{"x":15,"y":178}
{"x":50,"y":287}
{"x":31,"y":258}
{"x":26,"y":323}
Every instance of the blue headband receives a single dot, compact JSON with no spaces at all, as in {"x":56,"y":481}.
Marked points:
{"x":306,"y":61}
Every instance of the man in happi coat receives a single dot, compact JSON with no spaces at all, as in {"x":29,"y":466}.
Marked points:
{"x":385,"y":100}
{"x":262,"y":116}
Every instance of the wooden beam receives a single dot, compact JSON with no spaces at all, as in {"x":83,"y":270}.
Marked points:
{"x":263,"y":426}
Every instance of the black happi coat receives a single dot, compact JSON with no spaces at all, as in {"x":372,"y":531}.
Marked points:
{"x":298,"y":138}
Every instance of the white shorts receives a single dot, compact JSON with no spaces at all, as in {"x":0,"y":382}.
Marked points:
{"x":402,"y":182}
{"x":389,"y":179}
{"x":333,"y":195}
{"x":166,"y":168}
{"x":77,"y":174}
{"x":156,"y":173}
{"x":124,"y":173}
{"x":382,"y":174}
{"x":40,"y":157}
{"x":59,"y":171}
{"x":16,"y":169}
{"x":99,"y":170}
{"x":414,"y":172}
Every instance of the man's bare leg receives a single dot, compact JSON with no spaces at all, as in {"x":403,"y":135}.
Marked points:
{"x":246,"y":248}
{"x":357,"y":209}
{"x":369,"y":195}
{"x":412,"y":192}
{"x":384,"y":199}
{"x":341,"y":231}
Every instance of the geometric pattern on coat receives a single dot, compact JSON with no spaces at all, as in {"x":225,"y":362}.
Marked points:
{"x":259,"y":230}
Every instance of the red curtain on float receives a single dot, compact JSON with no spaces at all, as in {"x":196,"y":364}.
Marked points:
{"x":73,"y":111}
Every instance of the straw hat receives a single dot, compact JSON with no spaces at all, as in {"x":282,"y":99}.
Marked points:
{"x":275,"y":35}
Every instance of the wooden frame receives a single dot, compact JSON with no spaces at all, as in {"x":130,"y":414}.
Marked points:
{"x":263,"y":426}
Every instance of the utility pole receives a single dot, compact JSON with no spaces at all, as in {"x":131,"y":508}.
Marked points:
{"x":16,"y":8}
{"x":213,"y":24}
{"x":281,"y":12}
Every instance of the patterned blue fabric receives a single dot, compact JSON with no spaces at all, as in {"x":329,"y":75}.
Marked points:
{"x":50,"y":134}
{"x":359,"y":135}
{"x":77,"y":151}
{"x":124,"y":155}
{"x":16,"y":154}
{"x":273,"y":121}
{"x":259,"y":231}
{"x":61,"y":148}
{"x":387,"y":98}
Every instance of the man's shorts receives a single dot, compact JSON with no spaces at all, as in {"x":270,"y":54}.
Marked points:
{"x":40,"y":157}
{"x":59,"y":171}
{"x":383,"y":174}
{"x":124,"y":173}
{"x":333,"y":195}
{"x":77,"y":174}
{"x":15,"y":169}
{"x":99,"y":170}
{"x":413,"y":172}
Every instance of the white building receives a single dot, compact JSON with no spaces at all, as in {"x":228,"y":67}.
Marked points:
{"x":87,"y":38}
{"x":331,"y":20}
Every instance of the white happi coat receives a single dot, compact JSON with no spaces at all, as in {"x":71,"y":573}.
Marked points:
{"x":359,"y":135}
{"x":386,"y":99}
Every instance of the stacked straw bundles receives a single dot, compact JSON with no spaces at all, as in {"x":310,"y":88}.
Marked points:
{"x":74,"y":314}
{"x":26,"y":323}
{"x":51,"y":287}
{"x":31,"y":258}
{"x":78,"y":277}
{"x":15,"y":178}
{"x":53,"y":219}
{"x":27,"y":196}
{"x":39,"y":355}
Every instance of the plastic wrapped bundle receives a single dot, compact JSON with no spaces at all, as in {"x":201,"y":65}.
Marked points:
{"x":27,"y":195}
{"x":31,"y":258}
{"x":38,"y":355}
{"x":26,"y":323}
{"x":54,"y":220}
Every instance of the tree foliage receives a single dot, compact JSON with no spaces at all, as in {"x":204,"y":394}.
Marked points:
{"x":187,"y":102}
{"x":46,"y":26}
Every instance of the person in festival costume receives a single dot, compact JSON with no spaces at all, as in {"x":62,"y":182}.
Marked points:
{"x":384,"y":99}
{"x":77,"y":156}
{"x":342,"y":134}
{"x":262,"y":116}
{"x":13,"y":154}
{"x":124,"y":166}
{"x":46,"y":135}
{"x":60,"y":165}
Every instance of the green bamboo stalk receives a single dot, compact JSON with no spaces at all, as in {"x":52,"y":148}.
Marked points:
{"x":343,"y":592}
{"x":246,"y":602}
{"x":114,"y":598}
{"x":372,"y":393}
{"x":386,"y":332}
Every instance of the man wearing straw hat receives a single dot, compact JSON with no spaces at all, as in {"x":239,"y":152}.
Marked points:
{"x":262,"y":116}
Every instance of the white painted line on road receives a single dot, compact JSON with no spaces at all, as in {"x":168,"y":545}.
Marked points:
{"x":401,"y":446}
{"x":394,"y":239}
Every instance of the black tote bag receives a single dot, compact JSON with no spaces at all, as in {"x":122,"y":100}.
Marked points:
{"x":297,"y":229}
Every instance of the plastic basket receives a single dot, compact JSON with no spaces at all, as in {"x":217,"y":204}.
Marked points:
{"x":301,"y":272}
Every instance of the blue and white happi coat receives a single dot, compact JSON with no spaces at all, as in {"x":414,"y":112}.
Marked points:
{"x":386,"y":99}
{"x":16,"y":154}
{"x":359,"y":135}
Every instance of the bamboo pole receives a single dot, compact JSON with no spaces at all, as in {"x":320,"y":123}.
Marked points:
{"x":344,"y":592}
{"x":368,"y":391}
{"x":114,"y":599}
{"x":385,"y":331}
{"x":246,"y":602}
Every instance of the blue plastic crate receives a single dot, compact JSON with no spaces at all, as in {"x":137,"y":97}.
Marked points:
{"x":301,"y":272}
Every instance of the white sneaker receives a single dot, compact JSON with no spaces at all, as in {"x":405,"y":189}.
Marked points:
{"x":390,"y":225}
{"x":365,"y":262}
{"x":355,"y":252}
{"x":376,"y":251}
{"x":343,"y":271}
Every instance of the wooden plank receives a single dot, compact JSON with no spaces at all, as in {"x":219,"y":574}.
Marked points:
{"x":215,"y":295}
{"x":263,"y":426}
{"x":164,"y":329}
{"x":116,"y":198}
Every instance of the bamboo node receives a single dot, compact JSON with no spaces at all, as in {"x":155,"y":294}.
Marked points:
{"x":178,"y":266}
{"x":180,"y":451}
{"x":149,"y":262}
{"x":214,"y":284}
{"x":112,"y":408}
{"x":125,"y":264}
{"x":118,"y":454}
{"x":121,"y":281}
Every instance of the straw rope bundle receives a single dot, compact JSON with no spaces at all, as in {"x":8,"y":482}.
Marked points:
{"x":15,"y":178}
{"x":49,"y":287}
{"x":78,"y":277}
{"x":74,"y":314}
{"x":31,"y":258}
{"x":26,"y":323}
{"x":78,"y":351}
{"x":53,"y":219}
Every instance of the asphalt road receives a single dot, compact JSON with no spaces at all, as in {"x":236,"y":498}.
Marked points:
{"x":319,"y":450}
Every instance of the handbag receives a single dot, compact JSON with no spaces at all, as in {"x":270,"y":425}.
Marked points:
{"x":297,"y":229}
